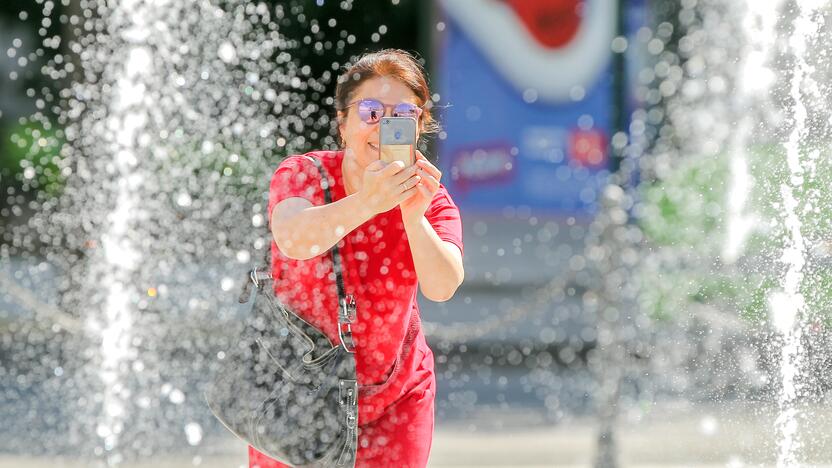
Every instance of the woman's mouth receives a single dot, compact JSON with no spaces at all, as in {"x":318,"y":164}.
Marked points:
{"x":372,"y":146}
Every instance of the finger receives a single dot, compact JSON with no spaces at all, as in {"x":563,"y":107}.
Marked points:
{"x":421,"y":190}
{"x":407,"y":194}
{"x":405,"y":174}
{"x":426,"y":164}
{"x":430,"y":182}
{"x":430,"y":171}
{"x":409,"y":183}
{"x":421,"y":156}
{"x":429,"y":168}
{"x":393,"y":168}
{"x":376,"y":165}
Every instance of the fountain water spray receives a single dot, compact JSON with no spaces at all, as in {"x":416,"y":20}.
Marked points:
{"x":787,"y":307}
{"x":128,"y":114}
{"x":177,"y":115}
{"x":754,"y":81}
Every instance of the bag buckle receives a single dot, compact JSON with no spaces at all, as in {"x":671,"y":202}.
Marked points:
{"x":345,"y":335}
{"x":348,"y":308}
{"x":257,"y":276}
{"x":346,"y":315}
{"x":346,"y":391}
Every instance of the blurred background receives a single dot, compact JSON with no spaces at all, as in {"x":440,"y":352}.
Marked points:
{"x":644,"y":185}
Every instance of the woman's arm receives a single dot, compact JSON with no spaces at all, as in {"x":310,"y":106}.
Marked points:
{"x":438,"y":263}
{"x":303,"y":230}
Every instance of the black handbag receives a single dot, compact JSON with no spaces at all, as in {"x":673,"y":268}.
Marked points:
{"x":283,"y":387}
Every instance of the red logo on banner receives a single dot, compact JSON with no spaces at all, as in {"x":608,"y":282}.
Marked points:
{"x":553,"y":23}
{"x":588,"y":148}
{"x":484,"y":164}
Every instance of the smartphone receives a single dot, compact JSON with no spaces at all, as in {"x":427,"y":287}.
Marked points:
{"x":398,"y":140}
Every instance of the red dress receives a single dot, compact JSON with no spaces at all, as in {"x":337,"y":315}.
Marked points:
{"x":396,"y":420}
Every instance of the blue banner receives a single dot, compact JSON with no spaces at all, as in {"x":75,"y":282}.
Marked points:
{"x":529,"y":87}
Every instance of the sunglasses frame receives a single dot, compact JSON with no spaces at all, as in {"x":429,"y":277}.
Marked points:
{"x":384,"y":108}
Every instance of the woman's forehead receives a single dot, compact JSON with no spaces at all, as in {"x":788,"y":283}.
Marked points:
{"x":385,"y":89}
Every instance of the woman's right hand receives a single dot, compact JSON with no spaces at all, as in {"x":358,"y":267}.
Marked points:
{"x":386,"y":185}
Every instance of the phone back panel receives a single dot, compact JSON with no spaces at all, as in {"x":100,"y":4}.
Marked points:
{"x":398,"y":139}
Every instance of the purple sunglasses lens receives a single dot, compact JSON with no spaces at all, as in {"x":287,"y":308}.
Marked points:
{"x":406,"y":109}
{"x":370,"y":110}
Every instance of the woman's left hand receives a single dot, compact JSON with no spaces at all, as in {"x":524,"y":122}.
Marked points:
{"x":414,"y":207}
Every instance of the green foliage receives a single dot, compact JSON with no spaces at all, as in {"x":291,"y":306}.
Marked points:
{"x":685,"y":219}
{"x":685,"y":209}
{"x":755,"y":307}
{"x":32,"y":156}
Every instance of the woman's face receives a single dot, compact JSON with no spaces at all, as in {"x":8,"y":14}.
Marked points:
{"x":362,"y":139}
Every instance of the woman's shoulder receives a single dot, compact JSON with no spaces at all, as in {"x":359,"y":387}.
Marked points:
{"x":320,"y":155}
{"x":297,"y":161}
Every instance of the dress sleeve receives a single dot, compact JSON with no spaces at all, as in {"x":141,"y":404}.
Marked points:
{"x":443,"y":215}
{"x":296,"y":176}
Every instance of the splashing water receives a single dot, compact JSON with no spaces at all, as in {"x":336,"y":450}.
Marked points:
{"x":757,"y":122}
{"x":789,"y":306}
{"x":178,"y":113}
{"x":754,"y":82}
{"x":127,"y":116}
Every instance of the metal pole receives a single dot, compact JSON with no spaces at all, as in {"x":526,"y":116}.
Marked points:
{"x":611,"y":220}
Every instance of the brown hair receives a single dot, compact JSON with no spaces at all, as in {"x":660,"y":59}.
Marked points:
{"x":395,"y":63}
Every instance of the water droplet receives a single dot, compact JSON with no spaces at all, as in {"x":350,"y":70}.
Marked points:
{"x":708,"y":425}
{"x":183,"y":199}
{"x":193,"y":432}
{"x":226,"y":52}
{"x":243,"y":256}
{"x":176,"y":396}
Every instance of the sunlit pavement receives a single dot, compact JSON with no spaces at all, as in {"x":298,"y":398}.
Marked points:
{"x":664,"y":436}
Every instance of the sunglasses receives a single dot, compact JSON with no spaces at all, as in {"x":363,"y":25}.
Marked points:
{"x":372,"y":110}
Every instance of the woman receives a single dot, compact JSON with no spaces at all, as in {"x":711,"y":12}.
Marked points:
{"x":396,"y":228}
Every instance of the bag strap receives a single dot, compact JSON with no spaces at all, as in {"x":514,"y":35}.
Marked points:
{"x":336,"y":254}
{"x":346,"y":302}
